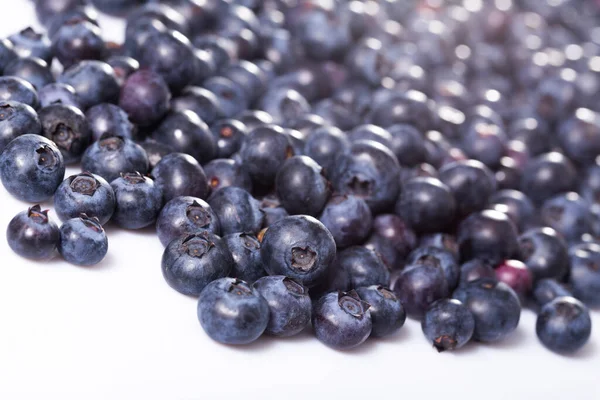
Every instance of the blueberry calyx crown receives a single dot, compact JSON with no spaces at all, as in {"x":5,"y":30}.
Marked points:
{"x":238,"y":287}
{"x":133,"y":178}
{"x":567,"y":308}
{"x":294,"y":287}
{"x":338,"y":198}
{"x":226,"y":131}
{"x":214,"y":182}
{"x":360,"y":187}
{"x":110,"y":142}
{"x":303,"y":258}
{"x":37,"y":214}
{"x":198,"y":215}
{"x":85,"y":183}
{"x":352,"y":304}
{"x":91,"y":222}
{"x":197,"y":245}
{"x":249,"y":241}
{"x":30,"y":33}
{"x":386,"y":293}
{"x":47,"y":158}
{"x":6,"y":110}
{"x":64,"y":136}
{"x":443,"y":343}
{"x":427,"y":259}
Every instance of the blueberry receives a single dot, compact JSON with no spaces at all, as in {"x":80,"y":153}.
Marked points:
{"x":32,"y":234}
{"x":185,"y":132}
{"x":519,"y":207}
{"x":448,"y":325}
{"x":369,"y":171}
{"x":155,"y":151}
{"x":68,"y":128}
{"x":117,"y":7}
{"x":170,"y":55}
{"x":370,"y":132}
{"x":440,"y":240}
{"x":441,"y":258}
{"x":284,"y":105}
{"x":516,"y":275}
{"x":113,"y":155}
{"x":548,"y":175}
{"x":76,"y":13}
{"x":254,"y":118}
{"x":590,"y":184}
{"x":199,"y":100}
{"x":164,"y":13}
{"x":249,"y":76}
{"x":204,"y":66}
{"x":231,"y":97}
{"x":229,"y":135}
{"x":77,"y":40}
{"x":29,"y":43}
{"x":224,"y":172}
{"x":407,"y":144}
{"x":237,"y":210}
{"x":191,"y":262}
{"x":475,"y":269}
{"x":488,"y":235}
{"x":289,"y":305}
{"x":355,"y":267}
{"x":46,"y":10}
{"x":418,"y":286}
{"x":426,"y":204}
{"x":245,"y":250}
{"x":94,"y":81}
{"x":123,"y":66}
{"x":145,"y":97}
{"x":471,"y":182}
{"x":301,"y":186}
{"x":494,"y":305}
{"x":7,"y":53}
{"x":580,"y":136}
{"x":348,"y":218}
{"x":485,"y":142}
{"x":179,"y":174}
{"x":16,"y":119}
{"x":232,"y":312}
{"x":31,"y":168}
{"x":585,"y":273}
{"x":544,"y":252}
{"x":85,"y":193}
{"x":299,"y":247}
{"x":83,"y":241}
{"x":387,"y":313}
{"x":108,"y":118}
{"x":393,"y":239}
{"x":17,"y":89}
{"x":138,"y":201}
{"x":264,"y":151}
{"x":324,"y":144}
{"x":546,"y":290}
{"x":564,"y":325}
{"x":341,"y":320}
{"x":185,"y":215}
{"x":568,"y":214}
{"x":272,"y":209}
{"x":534,"y":132}
{"x":59,"y":93}
{"x":32,"y":70}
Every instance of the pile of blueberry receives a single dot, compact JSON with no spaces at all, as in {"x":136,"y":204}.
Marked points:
{"x":336,"y":163}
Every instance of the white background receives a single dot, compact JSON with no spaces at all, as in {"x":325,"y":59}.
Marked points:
{"x":117,"y":331}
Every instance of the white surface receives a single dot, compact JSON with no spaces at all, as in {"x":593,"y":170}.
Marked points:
{"x":117,"y":331}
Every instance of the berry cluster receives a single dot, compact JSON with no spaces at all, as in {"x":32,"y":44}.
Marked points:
{"x":340,"y":164}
